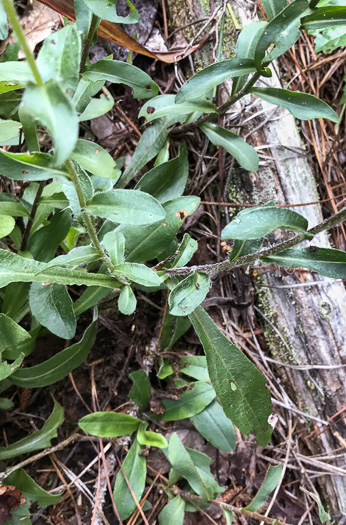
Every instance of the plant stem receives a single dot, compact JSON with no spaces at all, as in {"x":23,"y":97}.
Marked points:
{"x":249,"y":259}
{"x":94,"y":23}
{"x":12,"y":16}
{"x":32,"y":215}
{"x":88,"y":222}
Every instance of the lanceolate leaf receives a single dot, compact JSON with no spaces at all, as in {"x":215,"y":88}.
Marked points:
{"x":75,"y":257}
{"x":188,"y":294}
{"x":14,"y":268}
{"x":165,"y":105}
{"x":109,"y":424}
{"x":91,"y":297}
{"x":85,"y":90}
{"x":167,"y":180}
{"x":22,"y":481}
{"x":44,"y":242}
{"x":173,"y":512}
{"x":52,"y":306}
{"x":274,"y":7}
{"x":241,"y":248}
{"x":173,"y":329}
{"x":325,"y":17}
{"x":3,"y":23}
{"x":107,"y":11}
{"x":239,"y":386}
{"x":95,"y":159}
{"x":138,"y":273}
{"x":127,"y":301}
{"x":15,"y":72}
{"x":215,"y":427}
{"x":126,"y":207}
{"x":190,"y":403}
{"x":255,"y":223}
{"x":20,"y":166}
{"x":151,"y":439}
{"x":186,"y":249}
{"x":50,"y":106}
{"x":195,"y":366}
{"x":123,"y":73}
{"x":244,"y":154}
{"x":324,"y":517}
{"x":283,"y":31}
{"x":302,"y":105}
{"x":325,"y":261}
{"x":7,"y":224}
{"x":270,"y":482}
{"x":7,"y":369}
{"x":97,"y":107}
{"x":59,"y":366}
{"x":135,"y":470}
{"x":141,"y":388}
{"x":202,"y":82}
{"x":38,"y":440}
{"x":12,"y":334}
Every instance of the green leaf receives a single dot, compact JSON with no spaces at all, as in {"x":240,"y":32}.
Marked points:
{"x":165,"y":369}
{"x":75,"y":257}
{"x":22,"y":481}
{"x":107,"y":11}
{"x":324,"y":516}
{"x":131,"y":207}
{"x":14,"y":268}
{"x":38,"y":440}
{"x":98,"y":107}
{"x":149,"y":145}
{"x":283,"y":31}
{"x":20,"y":166}
{"x":12,"y":334}
{"x":168,"y":180}
{"x":5,"y":403}
{"x":138,"y":273}
{"x":52,"y":306}
{"x":58,"y":366}
{"x":274,"y":7}
{"x":15,"y":72}
{"x":215,"y":427}
{"x":45,"y":241}
{"x":202,"y":82}
{"x":165,"y":105}
{"x":71,"y":193}
{"x":122,"y":73}
{"x":8,"y":369}
{"x":193,"y":466}
{"x":85,"y":90}
{"x":151,"y":439}
{"x":254,"y":223}
{"x":189,"y":403}
{"x":173,"y":329}
{"x":147,"y":242}
{"x":3,"y":23}
{"x":271,"y":480}
{"x":20,"y":515}
{"x":241,"y":248}
{"x":135,"y":470}
{"x":127,"y":301}
{"x":9,"y":129}
{"x":6,"y":225}
{"x":50,"y":106}
{"x":195,"y":366}
{"x":188,"y":294}
{"x":228,"y":516}
{"x":329,"y":39}
{"x":186,"y":249}
{"x":141,"y":389}
{"x":114,"y":244}
{"x":60,"y":56}
{"x":173,"y":512}
{"x":91,"y":297}
{"x":302,"y":105}
{"x":246,"y":46}
{"x":325,"y":261}
{"x":244,"y":154}
{"x":325,"y":17}
{"x":5,"y":87}
{"x":239,"y":386}
{"x":95,"y":159}
{"x":109,"y":424}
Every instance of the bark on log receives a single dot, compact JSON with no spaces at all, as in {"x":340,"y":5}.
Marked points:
{"x":311,"y":320}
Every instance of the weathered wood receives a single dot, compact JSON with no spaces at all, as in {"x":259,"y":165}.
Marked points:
{"x":311,"y":321}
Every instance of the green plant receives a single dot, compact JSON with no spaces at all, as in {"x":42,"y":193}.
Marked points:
{"x":78,"y":202}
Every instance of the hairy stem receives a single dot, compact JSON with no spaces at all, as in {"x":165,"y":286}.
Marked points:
{"x":93,"y":26}
{"x":12,"y":16}
{"x":249,"y":259}
{"x":32,"y":215}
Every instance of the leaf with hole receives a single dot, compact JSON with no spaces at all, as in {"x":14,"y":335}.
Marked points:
{"x":270,"y":482}
{"x":204,"y":81}
{"x":58,"y":366}
{"x":94,"y":159}
{"x":38,"y":440}
{"x":131,"y":207}
{"x":122,"y":73}
{"x":215,"y":427}
{"x":188,"y":294}
{"x":303,"y":106}
{"x":189,"y":403}
{"x":325,"y":261}
{"x":245,"y":155}
{"x":254,"y":223}
{"x":107,"y":11}
{"x":135,"y":471}
{"x":239,"y":386}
